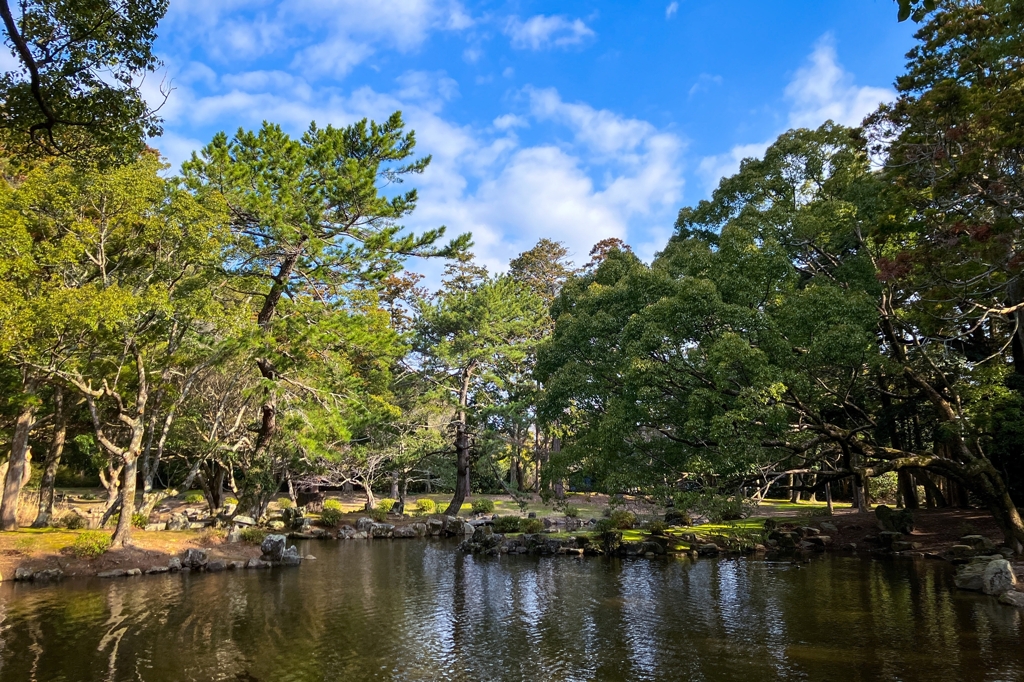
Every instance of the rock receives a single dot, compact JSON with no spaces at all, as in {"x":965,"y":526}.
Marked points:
{"x":970,"y":577}
{"x":156,"y":526}
{"x":132,"y":572}
{"x":786,"y":540}
{"x":572,"y":524}
{"x":309,"y":557}
{"x":903,"y":546}
{"x":194,"y":558}
{"x":291,"y":557}
{"x":22,"y":573}
{"x":420,"y":529}
{"x":174,"y":564}
{"x":47,"y":575}
{"x":177,"y":522}
{"x":244,"y":521}
{"x":435,"y":526}
{"x":708,"y":549}
{"x":531,"y":515}
{"x":404,"y":532}
{"x":360,"y":536}
{"x":215,"y":566}
{"x":234,"y":535}
{"x":828,"y":527}
{"x":468,"y":529}
{"x":675,"y":517}
{"x":382,"y":530}
{"x":157,"y":569}
{"x":275,"y":525}
{"x":652,"y":548}
{"x":887,"y":537}
{"x":363,"y":524}
{"x":1012,"y":598}
{"x":849,"y":547}
{"x":962,"y":551}
{"x":820,"y":541}
{"x":978,"y":542}
{"x":256,"y":563}
{"x":480,"y":533}
{"x":273,"y":547}
{"x":115,"y":573}
{"x":236,"y":565}
{"x":895,"y":521}
{"x":808,"y":531}
{"x":998,"y":577}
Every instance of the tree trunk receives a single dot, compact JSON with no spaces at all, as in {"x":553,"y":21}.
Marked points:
{"x":793,"y":494}
{"x":123,"y":534}
{"x":17,"y":467}
{"x":908,"y":490}
{"x":53,"y":455}
{"x":394,"y":485}
{"x":828,"y":498}
{"x":462,"y":489}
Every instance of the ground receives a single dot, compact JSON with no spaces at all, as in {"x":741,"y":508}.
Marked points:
{"x":936,"y":529}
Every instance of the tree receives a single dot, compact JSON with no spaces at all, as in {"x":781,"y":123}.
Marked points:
{"x":463,"y":334}
{"x":77,"y":91}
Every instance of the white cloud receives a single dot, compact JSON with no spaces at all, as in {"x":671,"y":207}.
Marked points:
{"x":671,"y":10}
{"x":704,"y":82}
{"x":821,"y":90}
{"x":601,"y":130}
{"x":540,"y":32}
{"x":509,"y":121}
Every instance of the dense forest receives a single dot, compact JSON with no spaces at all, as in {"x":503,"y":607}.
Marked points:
{"x":847,"y":309}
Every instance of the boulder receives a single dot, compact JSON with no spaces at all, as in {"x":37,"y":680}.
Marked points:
{"x":828,"y":527}
{"x":244,"y":521}
{"x":404,"y":532}
{"x":978,"y":542}
{"x":887,"y":537}
{"x":382,"y":530}
{"x":177,"y":522}
{"x":276,"y":524}
{"x":435,"y":526}
{"x":893,"y":520}
{"x":132,"y":572}
{"x":236,"y":565}
{"x":115,"y":573}
{"x":174,"y":564}
{"x":808,"y":532}
{"x":483,"y":532}
{"x":215,"y":566}
{"x":47,"y":575}
{"x":652,"y":548}
{"x":291,"y":557}
{"x":903,"y":546}
{"x":363,"y":524}
{"x":970,"y":577}
{"x":273,"y":547}
{"x":675,"y":517}
{"x":21,"y":573}
{"x":157,"y":569}
{"x":962,"y":551}
{"x":468,"y":529}
{"x":194,"y":558}
{"x":156,"y":526}
{"x":998,"y":577}
{"x":1012,"y":598}
{"x":256,"y":563}
{"x":572,"y":524}
{"x":420,"y":529}
{"x":708,"y":549}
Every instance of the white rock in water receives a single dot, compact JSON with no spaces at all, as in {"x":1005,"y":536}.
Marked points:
{"x":998,"y":577}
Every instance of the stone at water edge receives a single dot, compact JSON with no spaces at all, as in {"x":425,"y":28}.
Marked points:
{"x":115,"y":573}
{"x":364,"y":524}
{"x":257,"y":563}
{"x":978,"y":542}
{"x":157,"y":569}
{"x":468,"y":529}
{"x":1012,"y":598}
{"x":22,"y":573}
{"x":998,"y":577}
{"x":273,"y":547}
{"x":174,"y":564}
{"x":194,"y":558}
{"x":381,"y":530}
{"x":215,"y":566}
{"x":970,"y":576}
{"x":830,"y":527}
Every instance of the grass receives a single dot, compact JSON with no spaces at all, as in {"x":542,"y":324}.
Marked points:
{"x":787,"y":506}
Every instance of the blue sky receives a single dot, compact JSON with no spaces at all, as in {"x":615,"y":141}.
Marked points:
{"x":574,"y":121}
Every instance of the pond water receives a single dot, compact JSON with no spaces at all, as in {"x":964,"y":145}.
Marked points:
{"x":420,"y":610}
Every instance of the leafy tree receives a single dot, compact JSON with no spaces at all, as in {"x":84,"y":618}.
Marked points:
{"x":76,"y":92}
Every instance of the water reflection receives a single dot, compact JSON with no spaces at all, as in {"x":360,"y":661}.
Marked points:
{"x":411,"y":610}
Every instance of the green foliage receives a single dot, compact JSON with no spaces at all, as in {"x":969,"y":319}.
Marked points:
{"x":331,"y":517}
{"x":603,"y":526}
{"x":508,"y":524}
{"x":426,"y":506}
{"x":571,"y":512}
{"x":231,"y":500}
{"x":73,"y":521}
{"x":883,"y":488}
{"x":284,"y":503}
{"x":139,"y":520}
{"x":332,"y":504}
{"x":622,"y":519}
{"x":532,"y":526}
{"x":194,"y":497}
{"x":714,"y":506}
{"x":483,"y":505}
{"x":379,"y":514}
{"x":657,"y":527}
{"x":387,"y":504}
{"x":90,"y":544}
{"x":253,"y":535}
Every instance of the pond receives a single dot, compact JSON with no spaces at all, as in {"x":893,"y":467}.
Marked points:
{"x":420,"y":610}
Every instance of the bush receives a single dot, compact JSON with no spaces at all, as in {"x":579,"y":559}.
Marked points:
{"x":657,"y":527}
{"x":90,"y":544}
{"x":379,"y":514}
{"x":426,"y":506}
{"x":252,"y":535}
{"x":622,"y":519}
{"x":210,"y":536}
{"x":508,"y":524}
{"x":140,"y":520}
{"x":531,"y":526}
{"x":194,"y":497}
{"x":331,"y":517}
{"x":73,"y":521}
{"x":483,"y":506}
{"x":882,"y":488}
{"x":332,"y":504}
{"x":284,"y":503}
{"x":231,"y":500}
{"x":604,"y":526}
{"x":387,"y":504}
{"x":572,"y":512}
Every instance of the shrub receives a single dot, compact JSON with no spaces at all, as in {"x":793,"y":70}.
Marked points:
{"x":883,"y":487}
{"x":508,"y":524}
{"x":194,"y":497}
{"x":332,"y":504}
{"x":657,"y":527}
{"x":387,"y":504}
{"x":483,"y":506}
{"x":426,"y":506}
{"x":140,"y":520}
{"x":210,"y":536}
{"x":603,"y":526}
{"x":252,"y":535}
{"x":572,"y":512}
{"x":331,"y":517}
{"x":531,"y":526}
{"x":284,"y":503}
{"x":90,"y":544}
{"x":379,"y":514}
{"x":622,"y":519}
{"x":231,"y":500}
{"x":73,"y":521}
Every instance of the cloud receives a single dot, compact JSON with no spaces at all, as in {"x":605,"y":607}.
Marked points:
{"x":671,"y":10}
{"x":820,"y":90}
{"x":541,"y":32}
{"x":509,"y":121}
{"x":601,"y":130}
{"x":704,"y":82}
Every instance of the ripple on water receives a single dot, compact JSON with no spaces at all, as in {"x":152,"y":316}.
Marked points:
{"x":410,"y":610}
